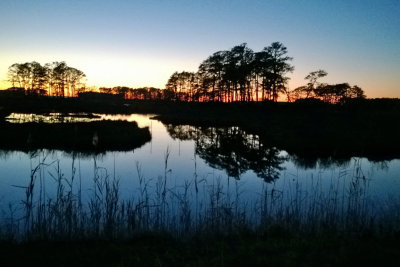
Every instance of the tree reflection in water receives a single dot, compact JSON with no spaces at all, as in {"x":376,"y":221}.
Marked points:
{"x":306,"y":162}
{"x":232,"y":149}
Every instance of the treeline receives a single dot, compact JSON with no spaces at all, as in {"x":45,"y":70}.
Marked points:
{"x":59,"y":79}
{"x":235,"y":75}
{"x":240,"y":74}
{"x":143,"y":93}
{"x":53,"y":79}
{"x":331,"y":93}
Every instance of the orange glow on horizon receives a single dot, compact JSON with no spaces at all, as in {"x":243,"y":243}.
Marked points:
{"x":155,"y":73}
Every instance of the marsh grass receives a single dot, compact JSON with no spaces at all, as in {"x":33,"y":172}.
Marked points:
{"x":200,"y":206}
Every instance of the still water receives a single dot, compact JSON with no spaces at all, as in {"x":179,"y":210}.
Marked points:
{"x":229,"y":157}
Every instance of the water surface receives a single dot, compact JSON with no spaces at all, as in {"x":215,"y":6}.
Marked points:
{"x":229,"y":157}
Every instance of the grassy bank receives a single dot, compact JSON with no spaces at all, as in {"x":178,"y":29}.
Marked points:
{"x":242,"y":250}
{"x":82,"y":137}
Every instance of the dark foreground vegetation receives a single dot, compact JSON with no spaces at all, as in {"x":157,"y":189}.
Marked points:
{"x":200,"y":223}
{"x":275,"y":248}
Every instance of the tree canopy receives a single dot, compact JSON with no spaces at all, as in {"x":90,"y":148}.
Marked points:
{"x":55,"y":79}
{"x":331,"y":93}
{"x":238,"y":74}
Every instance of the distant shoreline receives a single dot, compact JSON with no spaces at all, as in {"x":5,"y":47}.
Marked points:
{"x":360,"y":127}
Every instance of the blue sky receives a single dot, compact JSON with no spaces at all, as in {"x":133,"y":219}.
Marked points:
{"x":141,"y":43}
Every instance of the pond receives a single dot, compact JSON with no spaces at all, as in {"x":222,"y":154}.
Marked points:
{"x":189,"y":167}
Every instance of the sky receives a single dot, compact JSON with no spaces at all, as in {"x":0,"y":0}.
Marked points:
{"x":141,"y":43}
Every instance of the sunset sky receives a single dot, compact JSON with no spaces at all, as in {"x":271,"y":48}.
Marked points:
{"x":141,"y":43}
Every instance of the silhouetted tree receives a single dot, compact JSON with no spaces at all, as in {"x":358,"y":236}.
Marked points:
{"x":184,"y":85}
{"x":331,"y":93}
{"x":121,"y":90}
{"x":59,"y":78}
{"x":355,"y":92}
{"x":55,"y":78}
{"x":211,"y":72}
{"x":238,"y":70}
{"x":74,"y":79}
{"x":38,"y":77}
{"x":278,"y":67}
{"x":308,"y":91}
{"x":19,"y":75}
{"x":236,"y":75}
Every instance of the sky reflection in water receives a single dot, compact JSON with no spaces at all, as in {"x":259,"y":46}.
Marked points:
{"x":212,"y":155}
